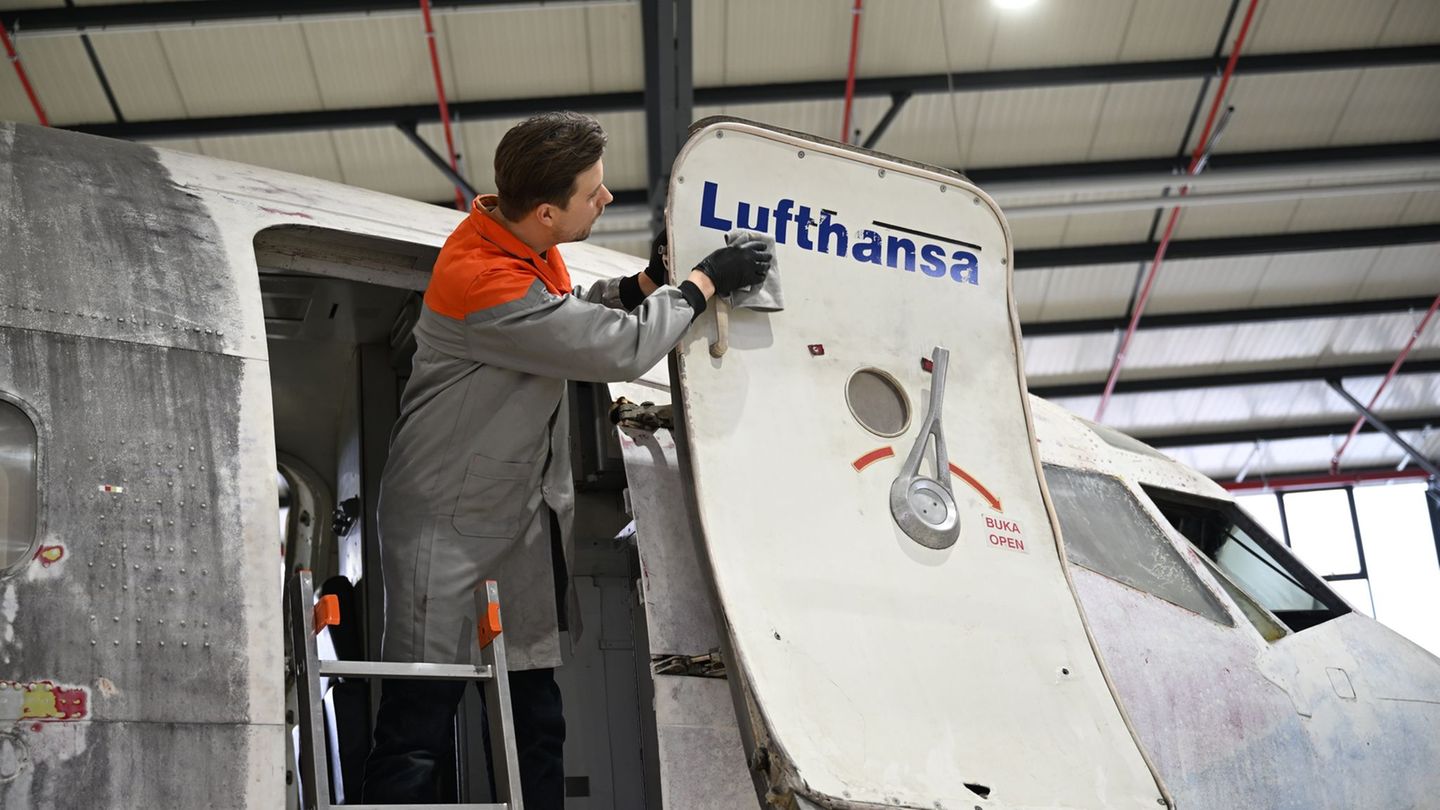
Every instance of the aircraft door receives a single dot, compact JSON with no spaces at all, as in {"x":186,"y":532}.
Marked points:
{"x":875,"y":524}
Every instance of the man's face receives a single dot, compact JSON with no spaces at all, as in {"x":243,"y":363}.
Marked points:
{"x":586,"y":204}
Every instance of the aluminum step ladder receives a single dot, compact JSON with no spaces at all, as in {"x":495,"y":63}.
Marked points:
{"x":488,"y":665}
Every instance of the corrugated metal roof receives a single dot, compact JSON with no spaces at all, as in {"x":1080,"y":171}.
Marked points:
{"x":1276,"y":405}
{"x":62,"y":78}
{"x":764,"y":42}
{"x":1237,"y":282}
{"x":1411,"y":22}
{"x":1369,"y":450}
{"x":312,"y":152}
{"x":384,"y":159}
{"x":240,"y":69}
{"x":1011,"y":126}
{"x":539,"y":50}
{"x":1310,"y":343}
{"x":140,"y":74}
{"x":823,"y":118}
{"x":1311,"y":25}
{"x":1174,"y":30}
{"x":1085,"y":292}
{"x":493,"y":55}
{"x":1424,"y":207}
{"x":1144,"y":118}
{"x":1391,"y":104}
{"x":358,"y":60}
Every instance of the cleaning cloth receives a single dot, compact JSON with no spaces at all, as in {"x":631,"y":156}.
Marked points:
{"x":764,"y":297}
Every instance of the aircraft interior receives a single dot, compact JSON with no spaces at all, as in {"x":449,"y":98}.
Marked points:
{"x":339,"y":310}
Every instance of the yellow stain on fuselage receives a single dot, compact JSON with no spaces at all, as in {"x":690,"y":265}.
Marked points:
{"x":40,"y":704}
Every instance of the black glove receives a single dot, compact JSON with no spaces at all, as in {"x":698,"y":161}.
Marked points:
{"x":656,"y":269}
{"x":736,"y":266}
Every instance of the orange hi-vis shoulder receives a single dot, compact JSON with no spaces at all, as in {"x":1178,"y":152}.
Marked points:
{"x":483,"y":265}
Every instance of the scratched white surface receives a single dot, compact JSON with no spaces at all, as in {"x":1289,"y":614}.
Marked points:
{"x":851,"y":637}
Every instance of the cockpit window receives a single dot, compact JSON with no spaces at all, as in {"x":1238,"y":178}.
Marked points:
{"x":1107,"y":531}
{"x":19,"y":491}
{"x":1264,"y":621}
{"x":1253,"y":560}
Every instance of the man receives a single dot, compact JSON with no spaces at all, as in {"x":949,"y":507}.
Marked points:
{"x":478,"y":481}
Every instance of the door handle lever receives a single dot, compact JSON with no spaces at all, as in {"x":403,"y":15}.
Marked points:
{"x":922,"y":506}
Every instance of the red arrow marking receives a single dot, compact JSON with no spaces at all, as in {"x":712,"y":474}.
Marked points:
{"x":871,"y":457}
{"x":978,"y":487}
{"x":887,"y":452}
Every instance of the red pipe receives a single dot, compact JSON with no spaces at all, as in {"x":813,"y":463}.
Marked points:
{"x":24,"y":79}
{"x":1293,"y":482}
{"x":1174,"y":215}
{"x":460,"y":201}
{"x":850,"y":76}
{"x":1394,"y":368}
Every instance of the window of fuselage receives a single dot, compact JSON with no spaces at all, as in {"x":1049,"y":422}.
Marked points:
{"x":1107,"y":531}
{"x":19,"y":490}
{"x":1257,"y":564}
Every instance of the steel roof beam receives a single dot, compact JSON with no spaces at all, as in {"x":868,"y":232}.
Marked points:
{"x":1068,"y":75}
{"x":1378,"y":157}
{"x":1229,"y":317}
{"x":191,"y":12}
{"x":897,"y":103}
{"x":1043,"y":258}
{"x":1010,"y":178}
{"x":669,"y":93}
{"x":1253,"y":434}
{"x":318,"y":120}
{"x":1383,"y":426}
{"x":1292,"y":481}
{"x":412,"y":134}
{"x":1235,"y":378}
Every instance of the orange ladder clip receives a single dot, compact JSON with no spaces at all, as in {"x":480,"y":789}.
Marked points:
{"x":488,"y":625}
{"x":327,"y":612}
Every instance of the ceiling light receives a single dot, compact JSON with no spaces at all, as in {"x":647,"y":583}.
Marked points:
{"x":1013,"y":5}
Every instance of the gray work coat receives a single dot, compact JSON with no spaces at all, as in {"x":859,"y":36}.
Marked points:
{"x":480,"y":454}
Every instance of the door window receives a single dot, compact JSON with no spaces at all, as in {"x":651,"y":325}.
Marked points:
{"x":19,"y":490}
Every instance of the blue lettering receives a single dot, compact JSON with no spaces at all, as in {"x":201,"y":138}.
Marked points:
{"x":933,"y":257}
{"x":867,"y":248}
{"x":802,"y":231}
{"x":966,"y":267}
{"x":893,"y":246}
{"x":762,"y":218}
{"x":830,"y":228}
{"x":707,"y":209}
{"x":783,"y":217}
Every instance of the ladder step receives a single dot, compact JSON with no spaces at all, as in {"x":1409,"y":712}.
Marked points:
{"x":388,"y":669}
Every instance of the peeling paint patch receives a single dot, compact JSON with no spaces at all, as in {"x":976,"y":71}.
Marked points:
{"x":49,"y":555}
{"x":9,"y":609}
{"x":43,"y":701}
{"x":106,"y":687}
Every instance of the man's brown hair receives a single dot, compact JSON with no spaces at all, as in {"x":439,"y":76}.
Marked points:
{"x":538,"y":159}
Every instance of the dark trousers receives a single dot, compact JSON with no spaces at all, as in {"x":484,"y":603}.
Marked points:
{"x":415,"y":729}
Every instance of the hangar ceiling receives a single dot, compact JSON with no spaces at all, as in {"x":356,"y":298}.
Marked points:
{"x":1308,"y":249}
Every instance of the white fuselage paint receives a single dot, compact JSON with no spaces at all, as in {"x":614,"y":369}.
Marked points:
{"x":1316,"y":742}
